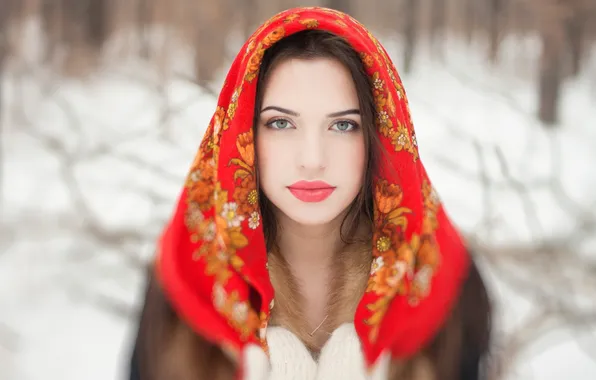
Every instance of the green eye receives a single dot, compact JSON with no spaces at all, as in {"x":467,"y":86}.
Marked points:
{"x":279,"y":124}
{"x":344,"y":126}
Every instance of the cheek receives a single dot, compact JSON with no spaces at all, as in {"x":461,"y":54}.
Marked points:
{"x":351,"y":160}
{"x":270,"y":159}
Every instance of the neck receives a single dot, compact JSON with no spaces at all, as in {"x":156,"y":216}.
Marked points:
{"x":318,"y":280}
{"x":309,"y":247}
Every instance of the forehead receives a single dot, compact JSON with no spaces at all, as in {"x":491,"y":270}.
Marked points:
{"x":322,"y":83}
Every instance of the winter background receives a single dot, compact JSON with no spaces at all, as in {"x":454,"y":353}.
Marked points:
{"x":91,"y":166}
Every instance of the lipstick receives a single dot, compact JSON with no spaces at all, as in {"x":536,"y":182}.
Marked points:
{"x":311,"y":191}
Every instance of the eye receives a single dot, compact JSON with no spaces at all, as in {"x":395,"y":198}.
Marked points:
{"x":279,"y":124}
{"x":344,"y":126}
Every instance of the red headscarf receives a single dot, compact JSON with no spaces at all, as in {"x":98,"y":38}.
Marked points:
{"x":212,"y":255}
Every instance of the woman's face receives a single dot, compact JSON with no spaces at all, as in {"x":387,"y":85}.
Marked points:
{"x":310,"y":144}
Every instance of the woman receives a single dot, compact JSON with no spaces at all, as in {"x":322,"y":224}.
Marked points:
{"x":308,"y":242}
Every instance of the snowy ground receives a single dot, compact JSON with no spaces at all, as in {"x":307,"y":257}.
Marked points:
{"x":91,"y":171}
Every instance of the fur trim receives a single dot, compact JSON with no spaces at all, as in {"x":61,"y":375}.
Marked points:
{"x":341,"y":358}
{"x":350,"y":273}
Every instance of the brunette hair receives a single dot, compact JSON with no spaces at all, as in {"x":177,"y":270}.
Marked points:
{"x":312,"y":44}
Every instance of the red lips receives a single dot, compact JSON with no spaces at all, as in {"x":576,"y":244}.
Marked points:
{"x":311,"y":191}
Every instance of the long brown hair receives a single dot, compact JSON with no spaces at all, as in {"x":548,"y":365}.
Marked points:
{"x":312,"y":44}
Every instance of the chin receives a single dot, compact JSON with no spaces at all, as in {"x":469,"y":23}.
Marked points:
{"x":314,"y":214}
{"x":307,"y":218}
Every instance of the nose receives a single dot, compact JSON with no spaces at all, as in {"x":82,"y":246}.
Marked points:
{"x":312,"y":153}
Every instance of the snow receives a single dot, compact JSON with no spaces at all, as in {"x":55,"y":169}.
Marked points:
{"x":59,"y":284}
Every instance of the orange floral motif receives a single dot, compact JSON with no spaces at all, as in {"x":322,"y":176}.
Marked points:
{"x":232,"y":108}
{"x":245,"y":145}
{"x":397,"y":261}
{"x":193,"y":217}
{"x":386,"y":111}
{"x":310,"y":23}
{"x":247,"y":197}
{"x":218,"y":123}
{"x":274,"y":36}
{"x":222,"y":235}
{"x":200,"y":185}
{"x":388,"y":198}
{"x":413,"y":262}
{"x":367,"y":59}
{"x":245,"y":193}
{"x":239,"y":313}
{"x":401,"y":139}
{"x":292,"y":17}
{"x":254,"y":63}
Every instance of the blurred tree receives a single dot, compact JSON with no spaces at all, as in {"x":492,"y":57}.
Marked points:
{"x":437,"y":25}
{"x":248,"y":11}
{"x":410,"y":31}
{"x":575,"y":33}
{"x":211,"y":35}
{"x":9,"y":10}
{"x":470,"y":12}
{"x":144,"y":21}
{"x":6,"y":10}
{"x":552,"y":18}
{"x":340,"y":5}
{"x":80,"y":26}
{"x":495,"y":20}
{"x":582,"y":13}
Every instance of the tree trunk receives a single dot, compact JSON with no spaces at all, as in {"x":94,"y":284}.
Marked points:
{"x":437,"y":25}
{"x":249,"y":15}
{"x":340,"y":5}
{"x":575,"y":27}
{"x":97,"y":28}
{"x":144,"y":18}
{"x":549,"y":84}
{"x":495,"y":19}
{"x":411,"y":9}
{"x":5,"y":13}
{"x":469,"y":19}
{"x":210,"y":48}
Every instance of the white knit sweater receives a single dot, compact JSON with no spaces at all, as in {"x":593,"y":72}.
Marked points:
{"x":340,"y":358}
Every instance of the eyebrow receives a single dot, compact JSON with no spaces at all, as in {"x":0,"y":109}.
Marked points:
{"x":352,"y":111}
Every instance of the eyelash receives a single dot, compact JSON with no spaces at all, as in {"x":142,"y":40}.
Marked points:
{"x":354,"y":125}
{"x":351,"y":122}
{"x":269,"y":124}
